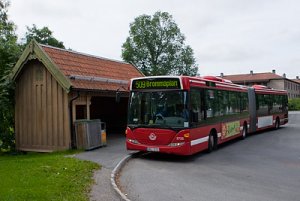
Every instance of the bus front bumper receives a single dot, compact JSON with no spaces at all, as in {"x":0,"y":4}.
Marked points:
{"x":178,"y":149}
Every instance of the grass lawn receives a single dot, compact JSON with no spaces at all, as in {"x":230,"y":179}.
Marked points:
{"x":45,"y":176}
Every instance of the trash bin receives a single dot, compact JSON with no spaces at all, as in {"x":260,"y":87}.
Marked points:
{"x":103,"y":134}
{"x":89,"y":134}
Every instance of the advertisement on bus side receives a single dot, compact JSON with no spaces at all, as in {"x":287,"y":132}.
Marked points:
{"x":230,"y":129}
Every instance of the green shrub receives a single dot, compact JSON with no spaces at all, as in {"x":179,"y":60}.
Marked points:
{"x":294,"y":104}
{"x":7,"y":136}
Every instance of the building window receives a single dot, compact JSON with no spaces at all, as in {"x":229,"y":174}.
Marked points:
{"x":285,"y":85}
{"x":81,"y":112}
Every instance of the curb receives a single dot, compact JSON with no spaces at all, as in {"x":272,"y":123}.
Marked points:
{"x":115,"y":171}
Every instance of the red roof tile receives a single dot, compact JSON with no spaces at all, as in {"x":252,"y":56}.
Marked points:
{"x":74,"y":63}
{"x":252,"y":77}
{"x":98,"y":85}
{"x":296,"y":80}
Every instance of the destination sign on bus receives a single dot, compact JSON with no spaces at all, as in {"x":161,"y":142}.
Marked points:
{"x":158,"y":83}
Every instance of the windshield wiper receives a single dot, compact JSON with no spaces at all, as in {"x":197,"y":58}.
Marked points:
{"x":161,"y":126}
{"x":134,"y":126}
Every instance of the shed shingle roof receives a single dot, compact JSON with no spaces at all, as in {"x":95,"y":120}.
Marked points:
{"x":72,"y":63}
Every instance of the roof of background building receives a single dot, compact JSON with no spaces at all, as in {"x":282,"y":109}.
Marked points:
{"x":253,"y":77}
{"x":296,"y":80}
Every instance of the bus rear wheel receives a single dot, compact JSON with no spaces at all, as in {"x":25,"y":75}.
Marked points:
{"x":277,"y":123}
{"x":244,"y":132}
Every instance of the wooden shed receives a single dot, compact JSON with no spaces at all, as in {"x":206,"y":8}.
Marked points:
{"x":55,"y":87}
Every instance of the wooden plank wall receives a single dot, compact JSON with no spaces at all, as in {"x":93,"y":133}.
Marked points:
{"x":41,"y":114}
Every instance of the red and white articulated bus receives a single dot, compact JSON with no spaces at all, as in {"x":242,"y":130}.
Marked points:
{"x":184,"y":115}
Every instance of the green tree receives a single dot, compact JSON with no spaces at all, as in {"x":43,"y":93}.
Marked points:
{"x":9,"y":49}
{"x":156,"y":46}
{"x":43,"y":36}
{"x":9,"y":53}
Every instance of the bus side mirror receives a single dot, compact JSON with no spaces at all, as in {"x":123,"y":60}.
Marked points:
{"x":117,"y":97}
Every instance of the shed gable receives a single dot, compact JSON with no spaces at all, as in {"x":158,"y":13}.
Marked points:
{"x":41,"y":113}
{"x":34,"y":51}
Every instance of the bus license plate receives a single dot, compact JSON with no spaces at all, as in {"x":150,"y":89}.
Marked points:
{"x":154,"y":149}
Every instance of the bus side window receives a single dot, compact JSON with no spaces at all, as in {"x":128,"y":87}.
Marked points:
{"x":276,"y":104}
{"x":212,"y":106}
{"x":196,"y":106}
{"x":234,"y":103}
{"x":223,"y":102}
{"x":270,"y":103}
{"x":209,"y":99}
{"x":244,"y":102}
{"x":284,"y":100}
{"x":262,"y":104}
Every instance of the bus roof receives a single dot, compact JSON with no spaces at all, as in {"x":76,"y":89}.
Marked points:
{"x":185,"y":82}
{"x":267,"y":90}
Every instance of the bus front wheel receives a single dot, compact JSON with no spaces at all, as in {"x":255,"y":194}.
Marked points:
{"x":212,"y":142}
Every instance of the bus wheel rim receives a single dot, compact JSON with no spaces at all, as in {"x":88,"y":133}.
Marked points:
{"x":212,"y":141}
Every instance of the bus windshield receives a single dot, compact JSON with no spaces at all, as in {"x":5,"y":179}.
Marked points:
{"x":159,"y":109}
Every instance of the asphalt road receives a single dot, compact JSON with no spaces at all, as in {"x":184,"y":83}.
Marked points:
{"x":265,"y":166}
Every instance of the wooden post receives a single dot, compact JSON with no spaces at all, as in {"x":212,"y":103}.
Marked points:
{"x":88,"y":103}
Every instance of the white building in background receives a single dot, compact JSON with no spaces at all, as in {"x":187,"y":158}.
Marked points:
{"x":270,"y":79}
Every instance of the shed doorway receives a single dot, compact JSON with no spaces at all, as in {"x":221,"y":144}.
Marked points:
{"x":112,"y":113}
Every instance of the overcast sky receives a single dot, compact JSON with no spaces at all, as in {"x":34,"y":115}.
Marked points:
{"x":229,"y":36}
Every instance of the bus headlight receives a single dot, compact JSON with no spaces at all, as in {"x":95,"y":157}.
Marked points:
{"x":133,"y":141}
